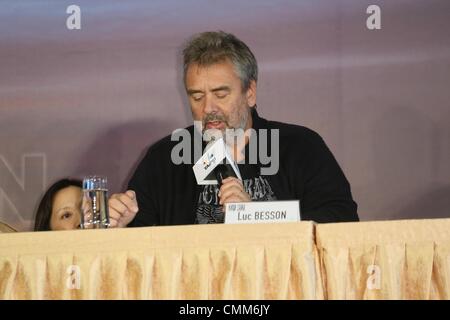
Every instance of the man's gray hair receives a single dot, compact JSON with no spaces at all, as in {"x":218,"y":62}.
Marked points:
{"x":208,"y":48}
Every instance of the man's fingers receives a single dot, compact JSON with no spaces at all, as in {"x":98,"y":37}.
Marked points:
{"x":129,"y":202}
{"x":229,"y":179}
{"x":113,"y":223}
{"x":234,"y":198}
{"x":116,"y":205}
{"x":232,"y":189}
{"x":113,"y":214}
{"x":114,"y":218}
{"x":122,"y":208}
{"x":131,"y":194}
{"x":230,"y":184}
{"x":236,"y":193}
{"x":225,"y":193}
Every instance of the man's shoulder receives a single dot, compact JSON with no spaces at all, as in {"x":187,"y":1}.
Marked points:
{"x":293,"y":133}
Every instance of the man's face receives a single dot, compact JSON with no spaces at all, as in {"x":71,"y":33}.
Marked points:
{"x":216,"y":96}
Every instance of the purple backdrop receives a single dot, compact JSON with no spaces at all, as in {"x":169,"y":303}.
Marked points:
{"x":74,"y":102}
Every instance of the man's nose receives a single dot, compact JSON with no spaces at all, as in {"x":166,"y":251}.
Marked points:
{"x":209,"y":106}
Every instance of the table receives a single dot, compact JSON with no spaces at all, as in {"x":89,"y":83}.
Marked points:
{"x":180,"y":262}
{"x":406,"y":259}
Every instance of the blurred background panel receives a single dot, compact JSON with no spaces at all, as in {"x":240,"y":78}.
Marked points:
{"x":78,"y":102}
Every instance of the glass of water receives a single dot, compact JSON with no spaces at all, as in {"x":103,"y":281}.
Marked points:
{"x":94,"y":208}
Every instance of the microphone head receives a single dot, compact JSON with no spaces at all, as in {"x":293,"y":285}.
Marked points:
{"x":221,"y":169}
{"x":209,"y":145}
{"x":212,"y":135}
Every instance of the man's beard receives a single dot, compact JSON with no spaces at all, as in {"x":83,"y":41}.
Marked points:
{"x":210,"y":117}
{"x":243,"y":116}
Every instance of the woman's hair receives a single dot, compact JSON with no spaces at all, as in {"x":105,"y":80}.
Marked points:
{"x":44,"y":211}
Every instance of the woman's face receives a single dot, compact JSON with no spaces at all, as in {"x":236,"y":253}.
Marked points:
{"x":66,"y":212}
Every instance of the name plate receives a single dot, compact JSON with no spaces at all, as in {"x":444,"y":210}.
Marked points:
{"x":262,"y":212}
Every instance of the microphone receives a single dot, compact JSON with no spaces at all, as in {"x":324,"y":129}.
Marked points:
{"x":216,"y":164}
{"x":222,"y":170}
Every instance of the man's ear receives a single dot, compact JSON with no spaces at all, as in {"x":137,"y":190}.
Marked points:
{"x":251,"y":94}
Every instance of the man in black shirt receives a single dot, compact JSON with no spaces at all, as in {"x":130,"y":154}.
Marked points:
{"x":220,"y":76}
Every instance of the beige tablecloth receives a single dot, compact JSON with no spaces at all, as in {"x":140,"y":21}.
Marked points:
{"x":366,"y":260}
{"x":385,"y":260}
{"x":266,"y":261}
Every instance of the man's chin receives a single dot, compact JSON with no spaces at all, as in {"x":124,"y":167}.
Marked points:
{"x":213,"y":133}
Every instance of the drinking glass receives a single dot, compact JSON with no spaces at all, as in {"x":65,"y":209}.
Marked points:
{"x":94,"y":210}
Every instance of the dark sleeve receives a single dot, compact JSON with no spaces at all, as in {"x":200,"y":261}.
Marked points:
{"x":143,"y":184}
{"x":326,"y":194}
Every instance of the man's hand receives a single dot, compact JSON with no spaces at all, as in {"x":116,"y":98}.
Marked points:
{"x":122,"y":209}
{"x":232,"y":190}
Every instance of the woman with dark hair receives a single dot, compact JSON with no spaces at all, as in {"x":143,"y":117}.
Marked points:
{"x":60,"y":207}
